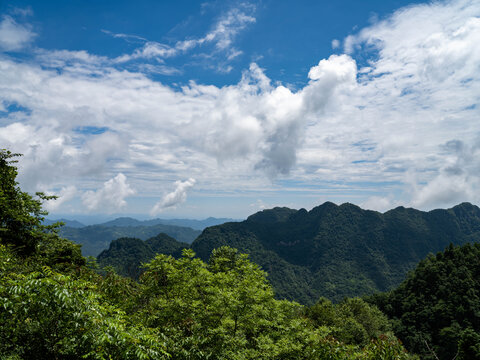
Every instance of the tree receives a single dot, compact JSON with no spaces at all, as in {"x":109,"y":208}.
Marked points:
{"x":21,"y":217}
{"x":20,"y":214}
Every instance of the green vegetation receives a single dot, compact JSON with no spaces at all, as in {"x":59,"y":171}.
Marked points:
{"x":54,"y":306}
{"x":341,"y":251}
{"x":126,"y":255}
{"x":436,"y":310}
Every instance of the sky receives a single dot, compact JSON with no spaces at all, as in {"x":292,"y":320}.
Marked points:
{"x":224,"y":108}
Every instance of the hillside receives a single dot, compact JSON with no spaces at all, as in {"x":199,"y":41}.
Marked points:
{"x":127,"y":254}
{"x":439,"y":305}
{"x":337,"y":251}
{"x":95,"y":238}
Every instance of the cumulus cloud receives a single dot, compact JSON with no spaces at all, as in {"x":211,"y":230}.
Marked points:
{"x":458,"y":180}
{"x":174,"y":198}
{"x":65,"y":194}
{"x":111,"y":196}
{"x":14,"y":36}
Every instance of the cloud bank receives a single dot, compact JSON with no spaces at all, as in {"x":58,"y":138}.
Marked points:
{"x":401,"y":128}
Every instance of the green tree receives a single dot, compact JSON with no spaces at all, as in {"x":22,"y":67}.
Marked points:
{"x":436,"y":310}
{"x":20,"y":213}
{"x":21,"y":217}
{"x":48,"y":315}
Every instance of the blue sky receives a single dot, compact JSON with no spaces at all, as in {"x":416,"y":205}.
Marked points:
{"x":197,"y":109}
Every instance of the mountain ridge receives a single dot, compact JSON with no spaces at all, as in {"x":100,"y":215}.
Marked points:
{"x":372,"y":251}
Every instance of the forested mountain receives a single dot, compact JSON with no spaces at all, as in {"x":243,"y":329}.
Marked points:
{"x":95,"y":238}
{"x":436,"y":310}
{"x":127,"y":254}
{"x":337,"y":251}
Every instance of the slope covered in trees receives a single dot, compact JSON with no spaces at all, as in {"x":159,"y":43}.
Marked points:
{"x":126,"y":255}
{"x":436,"y":310}
{"x":337,"y":251}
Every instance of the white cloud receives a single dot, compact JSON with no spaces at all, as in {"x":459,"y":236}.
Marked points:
{"x":14,"y":36}
{"x":379,"y":203}
{"x":227,"y":28}
{"x":222,"y":36}
{"x":458,"y":180}
{"x":23,"y":12}
{"x":174,"y":198}
{"x":64,"y":195}
{"x":111,"y":197}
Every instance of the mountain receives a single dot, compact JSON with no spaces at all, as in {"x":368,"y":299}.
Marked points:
{"x":95,"y":238}
{"x":69,"y":223}
{"x":194,"y":224}
{"x":127,"y":254}
{"x":338,"y":251}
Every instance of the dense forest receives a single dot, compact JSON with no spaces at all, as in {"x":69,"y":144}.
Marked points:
{"x":436,"y":310}
{"x":337,"y":251}
{"x":126,"y":255}
{"x":56,"y":304}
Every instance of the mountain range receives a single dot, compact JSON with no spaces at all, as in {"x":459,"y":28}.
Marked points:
{"x":96,"y":238}
{"x":331,"y":251}
{"x":129,"y":221}
{"x":339,"y":251}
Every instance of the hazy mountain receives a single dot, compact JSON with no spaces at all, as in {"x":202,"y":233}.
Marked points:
{"x":69,"y":223}
{"x":194,"y":224}
{"x":95,"y":238}
{"x":337,"y":251}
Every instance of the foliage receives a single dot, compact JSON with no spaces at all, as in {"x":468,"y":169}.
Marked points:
{"x":20,"y":213}
{"x":47,"y":315}
{"x":436,"y":310}
{"x":225,"y":309}
{"x":353,"y":321}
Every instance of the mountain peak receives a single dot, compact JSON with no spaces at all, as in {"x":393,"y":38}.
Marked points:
{"x":270,"y":216}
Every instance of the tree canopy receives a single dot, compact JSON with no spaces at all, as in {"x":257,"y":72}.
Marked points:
{"x":436,"y":310}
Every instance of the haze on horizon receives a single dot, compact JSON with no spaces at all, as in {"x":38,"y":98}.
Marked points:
{"x":225,"y":108}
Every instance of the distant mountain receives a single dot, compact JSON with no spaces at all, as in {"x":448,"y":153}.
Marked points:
{"x":337,"y":251}
{"x":69,"y":223}
{"x":194,"y":224}
{"x":127,"y":254}
{"x":95,"y":238}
